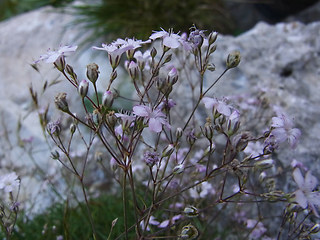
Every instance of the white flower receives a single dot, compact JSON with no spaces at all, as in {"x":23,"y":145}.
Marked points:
{"x":283,"y":130}
{"x":9,"y":181}
{"x":52,"y":56}
{"x":114,"y":52}
{"x":305,"y":196}
{"x":220,"y":106}
{"x":170,"y":40}
{"x":155,"y":117}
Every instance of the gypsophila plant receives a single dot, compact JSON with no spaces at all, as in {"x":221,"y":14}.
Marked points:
{"x":182,"y":174}
{"x":9,"y":205}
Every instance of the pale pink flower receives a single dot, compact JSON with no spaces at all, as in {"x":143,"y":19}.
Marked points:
{"x":283,"y":130}
{"x":52,"y":56}
{"x":170,"y":40}
{"x":219,"y":105}
{"x":143,"y":59}
{"x":9,"y":181}
{"x":115,"y":52}
{"x":155,"y":118}
{"x":305,"y":196}
{"x":126,"y":119}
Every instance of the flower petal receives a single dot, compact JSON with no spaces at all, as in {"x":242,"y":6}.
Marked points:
{"x":298,"y":178}
{"x":301,"y":199}
{"x":209,"y":102}
{"x":310,"y":182}
{"x":170,"y":42}
{"x":155,"y":125}
{"x":141,"y":110}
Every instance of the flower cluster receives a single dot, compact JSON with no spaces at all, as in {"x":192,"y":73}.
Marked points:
{"x":173,"y":163}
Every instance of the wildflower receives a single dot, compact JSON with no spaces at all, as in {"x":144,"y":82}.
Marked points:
{"x":114,"y":52}
{"x":283,"y":130}
{"x":143,"y":59}
{"x":258,"y":229}
{"x":107,"y":99}
{"x":126,"y":119}
{"x":54,"y":127}
{"x":305,"y":196}
{"x":233,"y":59}
{"x":191,"y":137}
{"x":169,"y":39}
{"x":155,"y":117}
{"x":166,"y":104}
{"x":93,"y":72}
{"x":189,"y":232}
{"x":83,"y":88}
{"x":196,"y":38}
{"x":118,"y":47}
{"x":132,"y":68}
{"x":191,"y":211}
{"x":151,"y":158}
{"x":168,"y":150}
{"x":9,"y":181}
{"x":172,"y":77}
{"x":217,"y":106}
{"x":61,"y":102}
{"x":52,"y":56}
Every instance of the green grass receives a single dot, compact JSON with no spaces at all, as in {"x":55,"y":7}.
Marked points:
{"x":73,"y":223}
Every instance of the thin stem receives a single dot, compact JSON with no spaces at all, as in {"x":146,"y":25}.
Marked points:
{"x":124,"y":203}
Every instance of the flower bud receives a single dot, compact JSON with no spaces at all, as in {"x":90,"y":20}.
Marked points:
{"x":133,"y":69}
{"x":168,"y":150}
{"x":73,"y":128}
{"x":262,"y":176}
{"x":61,"y":102}
{"x":315,"y":228}
{"x":233,"y":59}
{"x":93,"y":72}
{"x":60,"y":63}
{"x":213,"y":49}
{"x":178,"y":169}
{"x":55,"y":155}
{"x":264,"y":164}
{"x":211,"y":67}
{"x":168,"y":59}
{"x":208,"y":131}
{"x":189,"y":232}
{"x":83,"y":88}
{"x":96,"y":117}
{"x":172,"y":77}
{"x":111,"y":119}
{"x":107,"y":99}
{"x":153,"y":52}
{"x":179,"y":133}
{"x":70,"y":71}
{"x":191,"y":211}
{"x":212,"y":37}
{"x":191,"y":137}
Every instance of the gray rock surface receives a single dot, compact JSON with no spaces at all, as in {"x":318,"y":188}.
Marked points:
{"x":283,"y":59}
